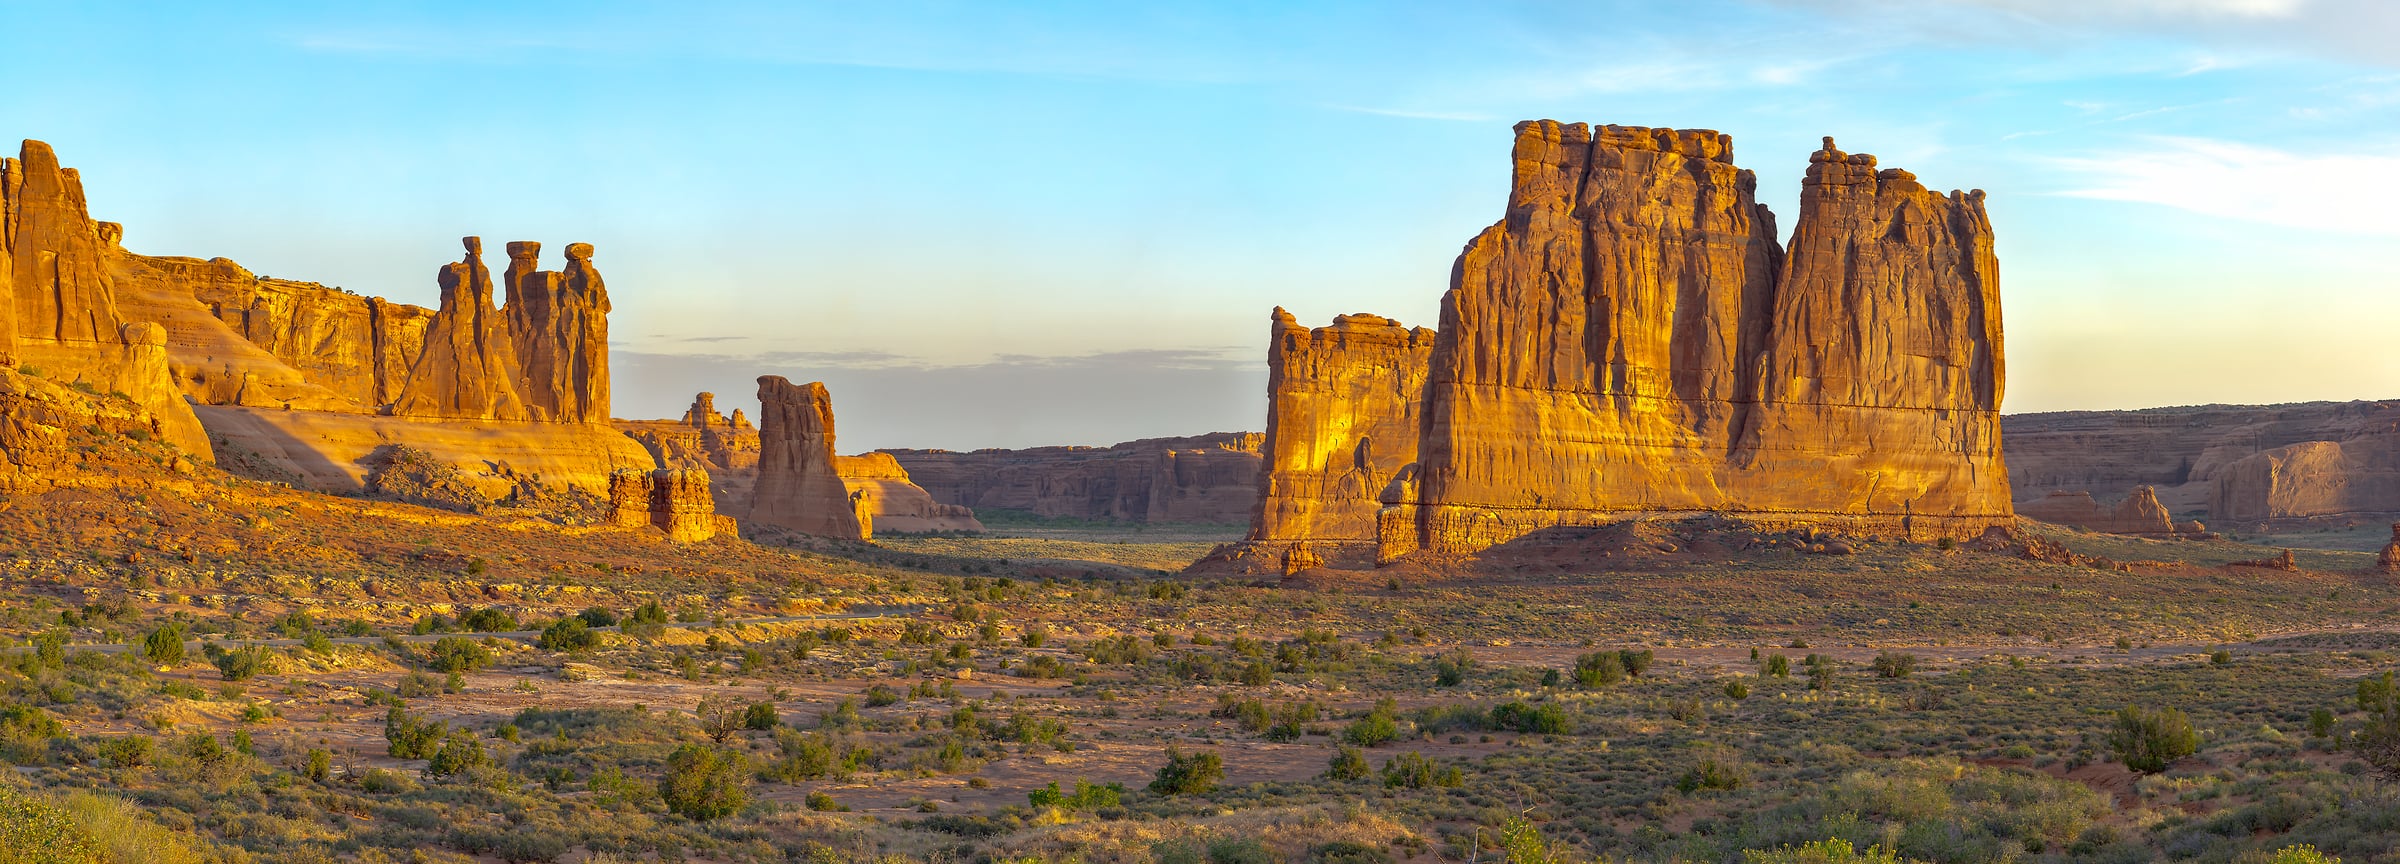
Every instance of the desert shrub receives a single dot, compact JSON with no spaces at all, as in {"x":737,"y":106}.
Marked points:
{"x":459,"y":654}
{"x":597,"y":617}
{"x":1124,"y":649}
{"x":1737,"y":690}
{"x":1241,"y":850}
{"x":1547,"y":719}
{"x":879,"y":696}
{"x":381,"y":782}
{"x":1379,"y":726}
{"x":1450,"y":669}
{"x":1775,"y":666}
{"x":2146,"y":740}
{"x":1086,"y":796}
{"x":704,"y":783}
{"x":2320,"y":723}
{"x":1188,"y":774}
{"x":1348,"y":764}
{"x":33,"y":832}
{"x":125,"y":751}
{"x":568,"y":634}
{"x":410,"y":736}
{"x":1710,"y":775}
{"x":824,"y":803}
{"x":1829,"y":851}
{"x":244,"y":662}
{"x":318,"y":765}
{"x":459,"y":752}
{"x":416,"y":685}
{"x":123,"y":833}
{"x":2301,"y":854}
{"x":1599,"y":669}
{"x":760,"y":716}
{"x":2220,"y":657}
{"x":1348,"y":852}
{"x":1412,"y":770}
{"x":487,"y":620}
{"x":1894,"y":664}
{"x":164,"y":646}
{"x":26,"y":732}
{"x":1636,"y":662}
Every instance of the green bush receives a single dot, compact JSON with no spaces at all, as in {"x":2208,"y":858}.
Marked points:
{"x":1636,"y":662}
{"x":1348,"y":764}
{"x":1348,"y":852}
{"x":33,"y":832}
{"x":1776,"y":666}
{"x":1737,"y":690}
{"x":245,"y":662}
{"x":568,"y":634}
{"x":1710,"y":776}
{"x":26,"y":732}
{"x":164,"y":646}
{"x":459,"y":752}
{"x":1411,"y":770}
{"x":1894,"y":664}
{"x":1450,"y":669}
{"x":760,"y":716}
{"x":1380,"y":726}
{"x":125,"y":751}
{"x":1548,"y":719}
{"x":487,"y":621}
{"x":459,"y":654}
{"x":1190,"y":774}
{"x":1599,"y":669}
{"x":2147,"y":741}
{"x":704,"y":783}
{"x":1086,"y":796}
{"x":410,"y":736}
{"x":597,"y":617}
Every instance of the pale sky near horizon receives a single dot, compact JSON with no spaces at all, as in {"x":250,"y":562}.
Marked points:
{"x":996,"y":224}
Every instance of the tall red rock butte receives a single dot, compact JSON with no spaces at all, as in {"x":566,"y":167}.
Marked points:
{"x":1631,"y":339}
{"x":799,"y":488}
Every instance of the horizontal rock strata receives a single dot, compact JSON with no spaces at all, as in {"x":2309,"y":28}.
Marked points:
{"x":2252,"y":467}
{"x":1203,"y":479}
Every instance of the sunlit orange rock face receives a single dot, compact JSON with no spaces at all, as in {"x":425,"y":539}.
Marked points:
{"x":677,"y":502}
{"x":799,"y":488}
{"x":58,"y":301}
{"x":1630,"y":338}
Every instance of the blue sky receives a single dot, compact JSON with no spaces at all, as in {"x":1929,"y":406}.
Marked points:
{"x":988,"y":224}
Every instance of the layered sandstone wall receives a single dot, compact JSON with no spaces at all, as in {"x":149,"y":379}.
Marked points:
{"x":1208,"y":479}
{"x":58,"y":301}
{"x":890,"y":502}
{"x":235,"y":338}
{"x":1342,"y":420}
{"x":676,"y":502}
{"x":799,"y":488}
{"x":1631,"y":338}
{"x":2248,"y":466}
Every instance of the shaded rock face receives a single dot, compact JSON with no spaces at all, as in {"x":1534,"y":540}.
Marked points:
{"x":2140,"y":514}
{"x":1342,"y":415}
{"x":890,"y":502}
{"x":559,"y":321}
{"x":799,"y":488}
{"x":58,"y":300}
{"x":1630,"y":338}
{"x":676,"y":502}
{"x":2257,"y":467}
{"x":469,"y":368}
{"x":1210,"y":479}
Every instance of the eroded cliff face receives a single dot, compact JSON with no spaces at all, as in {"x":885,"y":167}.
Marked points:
{"x":469,"y":370}
{"x":1342,"y":415}
{"x":235,"y":338}
{"x":559,"y":321}
{"x":799,"y":487}
{"x":1208,"y":479}
{"x":2255,"y":467}
{"x":889,"y":502}
{"x":1630,"y":338}
{"x":58,"y":303}
{"x":676,"y":502}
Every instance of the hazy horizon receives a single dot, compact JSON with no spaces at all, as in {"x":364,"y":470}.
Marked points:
{"x":1066,"y":223}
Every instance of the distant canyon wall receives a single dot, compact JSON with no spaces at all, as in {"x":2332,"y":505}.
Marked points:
{"x":1630,"y":338}
{"x":880,"y":491}
{"x":2253,"y":467}
{"x":1208,"y":479}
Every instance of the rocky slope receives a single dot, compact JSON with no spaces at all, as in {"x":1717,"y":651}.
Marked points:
{"x":2251,"y":467}
{"x":1209,"y":479}
{"x":1630,"y":338}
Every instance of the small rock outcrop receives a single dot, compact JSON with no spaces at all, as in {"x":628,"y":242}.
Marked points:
{"x":469,"y":369}
{"x":674,"y":501}
{"x":2388,"y":560}
{"x":2139,"y":515}
{"x":799,"y":486}
{"x":890,"y":502}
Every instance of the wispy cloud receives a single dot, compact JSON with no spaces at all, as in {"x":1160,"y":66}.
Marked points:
{"x":2345,"y":192}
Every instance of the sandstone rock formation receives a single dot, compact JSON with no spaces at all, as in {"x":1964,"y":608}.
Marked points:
{"x":1211,"y":479}
{"x":799,"y":488}
{"x":1630,"y":338}
{"x":58,"y":304}
{"x":2263,"y":467}
{"x":1342,"y":418}
{"x":889,"y":502}
{"x":677,"y":502}
{"x":469,"y":370}
{"x":2388,"y":560}
{"x":2140,"y":514}
{"x":236,"y":338}
{"x":559,"y":322}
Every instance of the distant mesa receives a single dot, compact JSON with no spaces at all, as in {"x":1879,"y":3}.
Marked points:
{"x":2235,"y":467}
{"x":1631,"y":338}
{"x":1207,"y":479}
